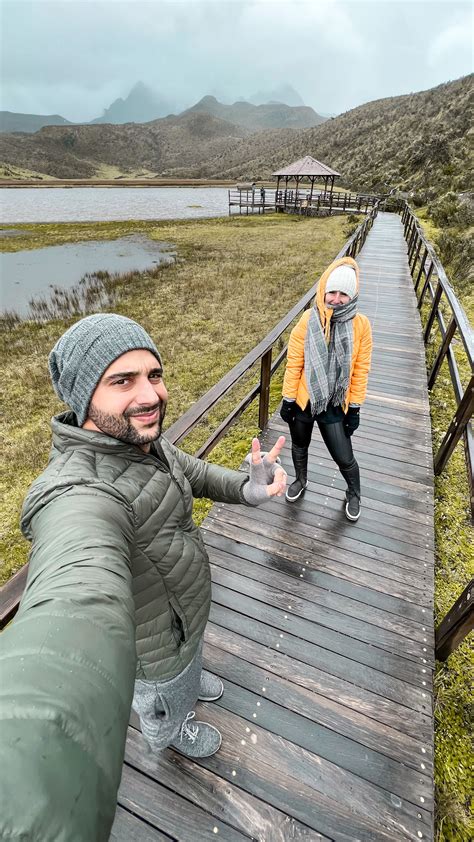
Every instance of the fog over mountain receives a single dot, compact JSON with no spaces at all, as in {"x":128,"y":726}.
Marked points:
{"x":75,"y":58}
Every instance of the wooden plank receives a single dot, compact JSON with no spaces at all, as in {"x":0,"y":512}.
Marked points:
{"x":166,"y":810}
{"x":361,"y":702}
{"x":346,"y":634}
{"x":330,"y":799}
{"x":390,"y":564}
{"x":314,"y":593}
{"x":281,"y":710}
{"x":401,"y":608}
{"x":329,"y":714}
{"x":383,"y":667}
{"x":293,"y":518}
{"x":314,"y":506}
{"x":216,"y":796}
{"x":130,"y":828}
{"x":353,"y":568}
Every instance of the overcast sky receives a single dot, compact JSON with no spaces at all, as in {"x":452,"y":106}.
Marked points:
{"x":74,"y":57}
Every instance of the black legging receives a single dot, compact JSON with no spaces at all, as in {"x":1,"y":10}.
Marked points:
{"x":336,"y":441}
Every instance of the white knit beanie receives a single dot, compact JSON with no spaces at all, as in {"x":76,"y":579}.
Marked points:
{"x":342,"y":279}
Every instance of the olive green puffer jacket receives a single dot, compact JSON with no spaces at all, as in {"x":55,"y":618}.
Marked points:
{"x":115,"y":555}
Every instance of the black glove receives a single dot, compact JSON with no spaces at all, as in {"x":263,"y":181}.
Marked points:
{"x":351,"y":420}
{"x":287,"y":410}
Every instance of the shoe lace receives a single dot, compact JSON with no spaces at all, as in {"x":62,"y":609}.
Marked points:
{"x":188,"y":731}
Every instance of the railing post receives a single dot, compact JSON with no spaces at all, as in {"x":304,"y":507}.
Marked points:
{"x":451,"y":330}
{"x":418,"y":248}
{"x":431,"y":317}
{"x":408,"y":223}
{"x":456,"y":428}
{"x":412,"y":241}
{"x":420,"y":271}
{"x":264,"y":402}
{"x":457,"y":623}
{"x":425,"y":285}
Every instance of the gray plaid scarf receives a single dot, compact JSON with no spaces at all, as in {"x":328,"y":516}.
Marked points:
{"x":327,"y":366}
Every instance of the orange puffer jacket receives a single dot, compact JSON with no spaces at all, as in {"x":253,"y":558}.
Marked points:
{"x":294,"y":383}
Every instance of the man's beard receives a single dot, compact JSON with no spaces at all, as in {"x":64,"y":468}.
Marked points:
{"x":120,"y":427}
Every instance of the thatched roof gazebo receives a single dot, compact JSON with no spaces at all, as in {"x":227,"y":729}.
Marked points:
{"x":306,"y":168}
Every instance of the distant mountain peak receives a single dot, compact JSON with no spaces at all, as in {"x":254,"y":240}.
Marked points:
{"x":140,"y":106}
{"x":285,"y":94}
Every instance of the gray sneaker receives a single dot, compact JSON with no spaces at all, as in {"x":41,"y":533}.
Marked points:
{"x":198,"y":739}
{"x":211,"y":687}
{"x":352,"y":505}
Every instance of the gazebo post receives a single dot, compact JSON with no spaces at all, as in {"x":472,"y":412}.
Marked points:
{"x":311,"y":192}
{"x":286,"y":189}
{"x":296,"y":191}
{"x":276,"y":193}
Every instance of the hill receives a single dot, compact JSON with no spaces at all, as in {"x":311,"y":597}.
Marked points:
{"x":418,"y":142}
{"x":272,"y":115}
{"x":415,"y":142}
{"x":11,"y":121}
{"x":86,"y":151}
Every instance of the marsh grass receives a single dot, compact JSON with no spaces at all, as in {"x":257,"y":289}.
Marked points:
{"x":232,"y":282}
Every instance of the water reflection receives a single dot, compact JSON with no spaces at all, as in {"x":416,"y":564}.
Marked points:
{"x":29,"y":274}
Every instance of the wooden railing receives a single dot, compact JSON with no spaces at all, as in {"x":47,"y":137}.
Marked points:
{"x":343,"y":202}
{"x":11,"y":592}
{"x":300,"y":201}
{"x":430,"y":279}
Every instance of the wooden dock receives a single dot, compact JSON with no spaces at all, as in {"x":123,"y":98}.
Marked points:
{"x":248,"y":201}
{"x":322,"y":630}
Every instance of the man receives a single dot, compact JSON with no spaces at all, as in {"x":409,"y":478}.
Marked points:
{"x":118,"y":582}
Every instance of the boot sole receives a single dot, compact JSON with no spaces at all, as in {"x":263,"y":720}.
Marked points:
{"x":351,"y":517}
{"x":292,"y":499}
{"x":211,"y":698}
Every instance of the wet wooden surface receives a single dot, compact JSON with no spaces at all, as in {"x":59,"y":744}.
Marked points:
{"x":321,"y":629}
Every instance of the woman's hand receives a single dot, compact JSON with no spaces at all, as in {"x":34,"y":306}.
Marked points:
{"x":287,"y":410}
{"x":351,"y":420}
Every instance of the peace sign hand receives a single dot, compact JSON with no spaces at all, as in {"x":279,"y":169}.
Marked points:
{"x":267,"y":477}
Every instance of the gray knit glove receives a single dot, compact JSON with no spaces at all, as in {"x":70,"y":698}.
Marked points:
{"x":266,"y":476}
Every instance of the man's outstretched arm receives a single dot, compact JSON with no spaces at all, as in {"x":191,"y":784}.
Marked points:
{"x":67,"y":667}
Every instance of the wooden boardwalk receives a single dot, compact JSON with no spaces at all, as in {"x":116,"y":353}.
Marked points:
{"x":322,"y":630}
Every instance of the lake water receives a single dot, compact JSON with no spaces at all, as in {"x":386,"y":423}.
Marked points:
{"x":27,"y":274}
{"x":97,"y":204}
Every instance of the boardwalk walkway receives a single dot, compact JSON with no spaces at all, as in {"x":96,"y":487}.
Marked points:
{"x":322,"y":630}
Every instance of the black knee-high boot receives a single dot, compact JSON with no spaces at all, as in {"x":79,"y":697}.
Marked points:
{"x":352,"y":477}
{"x":300,"y":462}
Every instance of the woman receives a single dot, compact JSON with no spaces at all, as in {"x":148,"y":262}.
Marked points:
{"x":326,"y":378}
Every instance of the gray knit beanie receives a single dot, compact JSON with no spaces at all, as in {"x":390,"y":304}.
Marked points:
{"x":85,"y":351}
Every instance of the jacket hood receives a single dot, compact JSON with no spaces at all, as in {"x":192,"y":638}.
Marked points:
{"x":67,"y":435}
{"x":325,"y":313}
{"x":69,"y":439}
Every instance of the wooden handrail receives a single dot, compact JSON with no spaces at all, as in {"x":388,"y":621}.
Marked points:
{"x":457,"y":623}
{"x":430,"y":277}
{"x":10,"y":593}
